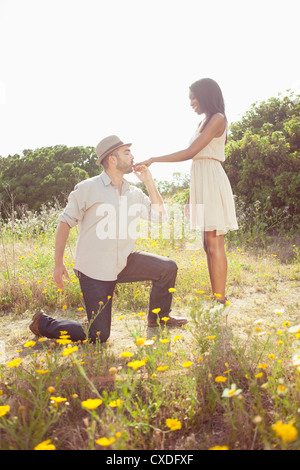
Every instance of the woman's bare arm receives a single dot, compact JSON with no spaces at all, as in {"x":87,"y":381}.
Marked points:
{"x":214,"y":128}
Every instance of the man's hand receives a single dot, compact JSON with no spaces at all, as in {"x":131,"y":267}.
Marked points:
{"x":61,"y":238}
{"x":59,"y":272}
{"x":142,"y":172}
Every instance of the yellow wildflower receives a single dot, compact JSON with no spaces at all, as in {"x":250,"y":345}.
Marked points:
{"x":116,"y":403}
{"x":286,"y":432}
{"x":63,"y":341}
{"x":29,"y":344}
{"x":45,"y":445}
{"x":57,"y":400}
{"x":68,"y":351}
{"x":136,"y":364}
{"x":220,"y":378}
{"x":4,"y":410}
{"x":219,"y":448}
{"x":162,"y":368}
{"x":177,"y":337}
{"x":156,"y":310}
{"x":140,"y":341}
{"x":173,"y":424}
{"x":187,"y":364}
{"x":14,"y":363}
{"x":126,"y":354}
{"x":91,"y":403}
{"x":104,"y":442}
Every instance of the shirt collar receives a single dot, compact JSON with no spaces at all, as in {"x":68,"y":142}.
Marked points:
{"x":107,"y":180}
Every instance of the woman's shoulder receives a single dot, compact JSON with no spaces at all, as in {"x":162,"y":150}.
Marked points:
{"x":219,"y":118}
{"x":216,"y":123}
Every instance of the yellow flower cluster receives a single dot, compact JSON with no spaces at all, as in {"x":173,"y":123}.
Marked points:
{"x":286,"y":432}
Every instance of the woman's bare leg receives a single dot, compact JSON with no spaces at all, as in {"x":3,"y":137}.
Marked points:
{"x":209,"y":264}
{"x":217,"y":262}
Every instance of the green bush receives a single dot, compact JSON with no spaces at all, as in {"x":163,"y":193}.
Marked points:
{"x":263,"y":160}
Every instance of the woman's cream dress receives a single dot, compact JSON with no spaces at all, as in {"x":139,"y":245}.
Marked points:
{"x":211,"y":199}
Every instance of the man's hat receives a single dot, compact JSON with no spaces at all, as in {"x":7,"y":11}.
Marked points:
{"x":107,"y":146}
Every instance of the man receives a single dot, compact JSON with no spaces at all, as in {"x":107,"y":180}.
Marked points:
{"x":107,"y":209}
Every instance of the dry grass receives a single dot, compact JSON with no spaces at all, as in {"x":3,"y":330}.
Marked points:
{"x":258,"y":283}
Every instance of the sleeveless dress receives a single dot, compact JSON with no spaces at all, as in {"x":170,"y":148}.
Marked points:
{"x":211,"y":199}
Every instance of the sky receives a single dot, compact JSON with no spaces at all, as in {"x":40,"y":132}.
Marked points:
{"x":75,"y":71}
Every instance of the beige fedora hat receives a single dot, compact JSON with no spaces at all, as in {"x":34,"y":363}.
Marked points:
{"x":107,"y":146}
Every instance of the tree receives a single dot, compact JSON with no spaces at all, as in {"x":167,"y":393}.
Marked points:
{"x":263,"y":156}
{"x":42,"y":175}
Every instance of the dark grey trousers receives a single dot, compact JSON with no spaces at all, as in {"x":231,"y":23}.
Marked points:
{"x":140,"y":266}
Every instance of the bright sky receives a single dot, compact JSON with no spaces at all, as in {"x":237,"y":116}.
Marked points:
{"x":75,"y":71}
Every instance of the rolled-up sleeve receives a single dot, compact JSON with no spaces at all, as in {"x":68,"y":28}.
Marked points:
{"x":74,"y":210}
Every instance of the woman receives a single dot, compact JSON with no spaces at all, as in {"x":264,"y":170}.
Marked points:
{"x":211,"y":200}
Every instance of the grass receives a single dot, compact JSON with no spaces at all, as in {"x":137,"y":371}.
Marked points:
{"x":230,"y":378}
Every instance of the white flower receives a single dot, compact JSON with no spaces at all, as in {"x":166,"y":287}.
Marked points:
{"x":294,"y":329}
{"x":231,"y":392}
{"x":296,"y":358}
{"x":278,"y":311}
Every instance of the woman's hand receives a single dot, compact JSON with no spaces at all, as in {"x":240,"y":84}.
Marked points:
{"x":146,"y":163}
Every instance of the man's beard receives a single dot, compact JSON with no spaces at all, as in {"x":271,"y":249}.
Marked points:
{"x":125,"y":168}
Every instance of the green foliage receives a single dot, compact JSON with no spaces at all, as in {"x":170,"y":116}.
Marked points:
{"x":263,"y":158}
{"x":39,"y":176}
{"x":179,"y":183}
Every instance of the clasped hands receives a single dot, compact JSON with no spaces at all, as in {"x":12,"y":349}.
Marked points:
{"x":142,"y":171}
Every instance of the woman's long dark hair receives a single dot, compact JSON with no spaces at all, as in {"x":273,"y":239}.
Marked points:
{"x":209,"y":96}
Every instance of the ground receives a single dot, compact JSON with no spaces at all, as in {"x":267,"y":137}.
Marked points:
{"x":250,"y":304}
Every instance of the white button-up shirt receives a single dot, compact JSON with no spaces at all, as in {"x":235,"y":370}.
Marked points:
{"x":107,"y":224}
